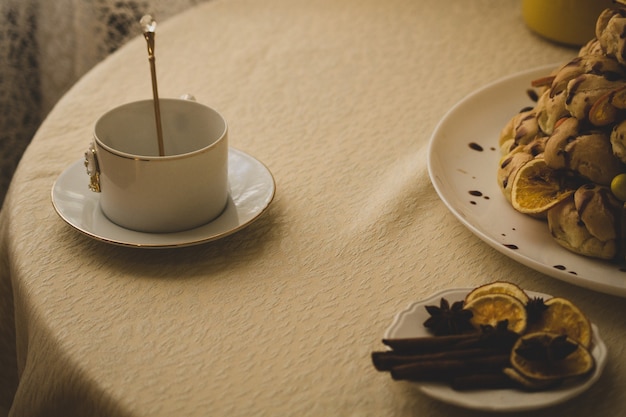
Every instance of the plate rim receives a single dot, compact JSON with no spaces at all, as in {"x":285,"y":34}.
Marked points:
{"x":181,"y":242}
{"x":524,"y":259}
{"x":434,"y":390}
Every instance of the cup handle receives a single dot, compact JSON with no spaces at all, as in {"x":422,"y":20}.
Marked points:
{"x":93,"y":168}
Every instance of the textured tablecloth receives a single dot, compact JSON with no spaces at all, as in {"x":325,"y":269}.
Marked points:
{"x":338,"y":99}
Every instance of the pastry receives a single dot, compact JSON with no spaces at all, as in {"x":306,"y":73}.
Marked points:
{"x":578,"y":127}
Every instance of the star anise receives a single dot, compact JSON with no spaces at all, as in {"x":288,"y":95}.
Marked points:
{"x":538,"y":350}
{"x":534,"y":309}
{"x":447,"y":320}
{"x":498,"y":337}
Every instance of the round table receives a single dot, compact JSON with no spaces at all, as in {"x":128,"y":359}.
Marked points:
{"x":338,"y":99}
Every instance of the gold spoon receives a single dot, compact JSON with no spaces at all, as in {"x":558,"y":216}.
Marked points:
{"x":148,"y":24}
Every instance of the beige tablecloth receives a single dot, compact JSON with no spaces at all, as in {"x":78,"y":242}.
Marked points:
{"x":338,"y":99}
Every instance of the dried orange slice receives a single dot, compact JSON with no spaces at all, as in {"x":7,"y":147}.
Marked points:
{"x":563,"y":317}
{"x":490,"y":309}
{"x":527,"y":383}
{"x":536,"y":188}
{"x":498,"y":287}
{"x":579,"y":362}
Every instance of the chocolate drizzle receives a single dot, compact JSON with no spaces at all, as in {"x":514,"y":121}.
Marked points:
{"x":532,"y":94}
{"x":476,"y":147}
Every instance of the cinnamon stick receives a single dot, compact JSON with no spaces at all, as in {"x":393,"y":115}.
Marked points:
{"x":449,"y":368}
{"x":385,"y":360}
{"x":430,"y":344}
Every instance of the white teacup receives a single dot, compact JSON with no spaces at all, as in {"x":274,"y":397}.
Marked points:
{"x":141,"y":190}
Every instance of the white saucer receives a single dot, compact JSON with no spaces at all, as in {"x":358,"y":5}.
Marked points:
{"x":252,"y":189}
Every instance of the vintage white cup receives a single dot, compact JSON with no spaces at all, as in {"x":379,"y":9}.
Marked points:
{"x":143,"y":191}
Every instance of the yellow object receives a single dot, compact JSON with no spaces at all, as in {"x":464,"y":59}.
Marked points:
{"x":563,"y":317}
{"x":536,"y":188}
{"x":618,"y":186}
{"x":497,"y":287}
{"x":577,"y":363}
{"x":491,"y":309}
{"x":570,"y":22}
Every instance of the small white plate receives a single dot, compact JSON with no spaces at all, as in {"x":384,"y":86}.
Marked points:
{"x":409,"y":323}
{"x":252,"y":189}
{"x":465,"y":179}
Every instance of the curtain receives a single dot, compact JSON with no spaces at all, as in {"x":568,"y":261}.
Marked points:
{"x":45,"y":46}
